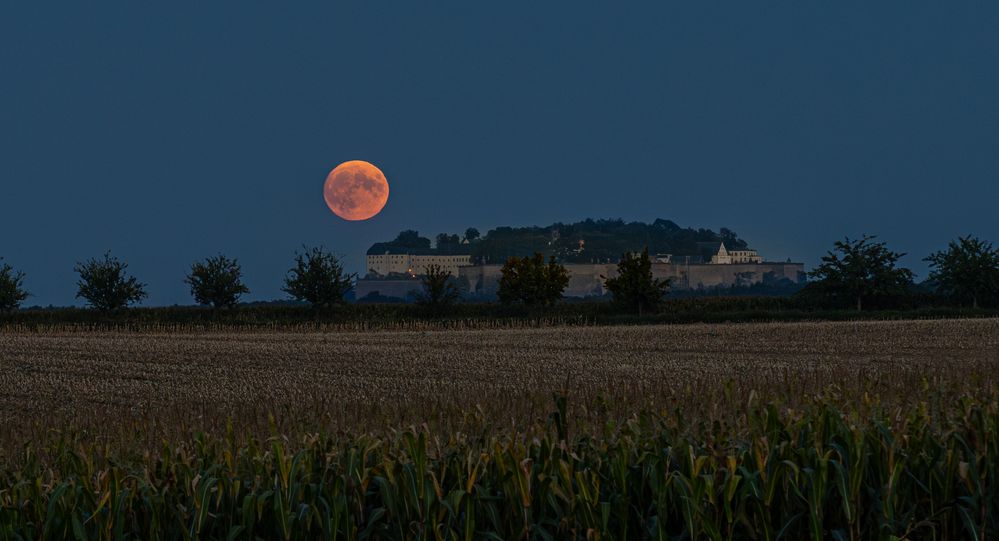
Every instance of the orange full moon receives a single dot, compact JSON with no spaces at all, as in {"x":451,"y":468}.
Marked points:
{"x":356,"y":190}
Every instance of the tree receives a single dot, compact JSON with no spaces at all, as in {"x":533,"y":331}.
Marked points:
{"x":634,"y":287}
{"x":318,"y":278}
{"x":861,"y":270}
{"x":106,"y":286}
{"x":531,"y":281}
{"x":448,"y":243}
{"x":968,"y":270}
{"x":12,"y":294}
{"x":472,"y":234}
{"x":411,"y":239}
{"x":439,"y":288}
{"x":217,"y":281}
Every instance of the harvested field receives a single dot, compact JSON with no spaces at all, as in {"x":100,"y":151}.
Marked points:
{"x":351,"y":380}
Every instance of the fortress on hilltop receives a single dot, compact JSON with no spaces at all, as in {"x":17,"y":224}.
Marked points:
{"x":692,"y":259}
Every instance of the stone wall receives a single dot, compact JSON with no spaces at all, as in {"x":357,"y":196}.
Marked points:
{"x":586,"y":280}
{"x":386,"y":288}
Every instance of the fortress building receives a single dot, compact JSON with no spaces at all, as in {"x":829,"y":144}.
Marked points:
{"x":389,"y":263}
{"x":395,"y":273}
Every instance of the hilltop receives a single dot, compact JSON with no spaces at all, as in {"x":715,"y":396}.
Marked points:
{"x":587,"y":241}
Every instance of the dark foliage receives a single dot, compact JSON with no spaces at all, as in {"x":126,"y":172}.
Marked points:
{"x":106,"y":286}
{"x":440,"y":289}
{"x":450,"y":244}
{"x":634,"y":288}
{"x":407,"y":241}
{"x":216,"y":281}
{"x":365,"y":315}
{"x":318,"y":278}
{"x":598,"y":241}
{"x":967,"y":271}
{"x":531,"y":281}
{"x":12,"y":292}
{"x":856,"y":272}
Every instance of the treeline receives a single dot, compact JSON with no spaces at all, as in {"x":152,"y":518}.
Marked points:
{"x":857,"y":275}
{"x":317,"y":278}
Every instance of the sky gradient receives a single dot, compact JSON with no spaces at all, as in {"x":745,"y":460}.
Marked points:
{"x":168,"y":133}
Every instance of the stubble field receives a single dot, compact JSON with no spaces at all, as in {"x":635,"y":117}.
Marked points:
{"x":362,"y":380}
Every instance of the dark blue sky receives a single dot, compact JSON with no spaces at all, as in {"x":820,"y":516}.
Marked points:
{"x":167,"y":133}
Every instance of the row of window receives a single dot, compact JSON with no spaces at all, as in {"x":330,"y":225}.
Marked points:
{"x":432,"y":259}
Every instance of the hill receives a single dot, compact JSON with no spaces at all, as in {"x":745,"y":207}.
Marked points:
{"x":588,"y":241}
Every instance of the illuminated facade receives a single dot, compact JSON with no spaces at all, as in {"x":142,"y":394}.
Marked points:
{"x":389,"y":263}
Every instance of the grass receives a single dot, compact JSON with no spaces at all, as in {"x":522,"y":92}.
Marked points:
{"x":853,"y":430}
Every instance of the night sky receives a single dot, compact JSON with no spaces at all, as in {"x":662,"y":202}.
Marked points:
{"x":167,"y":132}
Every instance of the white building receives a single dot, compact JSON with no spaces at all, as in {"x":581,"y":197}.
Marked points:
{"x":720,"y":255}
{"x":412,"y":264}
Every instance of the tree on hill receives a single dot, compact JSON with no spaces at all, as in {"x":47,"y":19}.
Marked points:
{"x":106,"y":286}
{"x":856,"y":271}
{"x":967,"y":271}
{"x":216,"y":281}
{"x":318,"y":278}
{"x":531,"y":281}
{"x":634,"y":287}
{"x":597,"y":240}
{"x":12,"y":292}
{"x":730,"y":238}
{"x":448,"y":244}
{"x":411,"y":239}
{"x":439,"y":288}
{"x":587,"y":241}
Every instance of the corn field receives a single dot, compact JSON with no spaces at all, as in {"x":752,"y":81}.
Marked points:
{"x":873,"y":430}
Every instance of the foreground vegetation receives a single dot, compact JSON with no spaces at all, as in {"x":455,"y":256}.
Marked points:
{"x":469,"y":315}
{"x":853,"y":430}
{"x":820,"y":473}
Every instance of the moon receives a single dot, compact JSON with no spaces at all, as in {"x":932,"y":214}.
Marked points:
{"x":356,"y":190}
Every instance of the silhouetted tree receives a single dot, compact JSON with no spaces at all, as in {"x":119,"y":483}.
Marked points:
{"x":471,"y":234}
{"x":448,"y":243}
{"x":411,"y":239}
{"x":730,"y":238}
{"x":217,"y":281}
{"x":634,"y":287}
{"x":12,"y":294}
{"x":106,"y":286}
{"x":967,"y":271}
{"x":318,"y":278}
{"x":531,"y":281}
{"x":856,"y":270}
{"x":439,"y":288}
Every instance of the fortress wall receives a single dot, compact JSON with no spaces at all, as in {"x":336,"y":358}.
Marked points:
{"x":387,"y":288}
{"x":585,"y":279}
